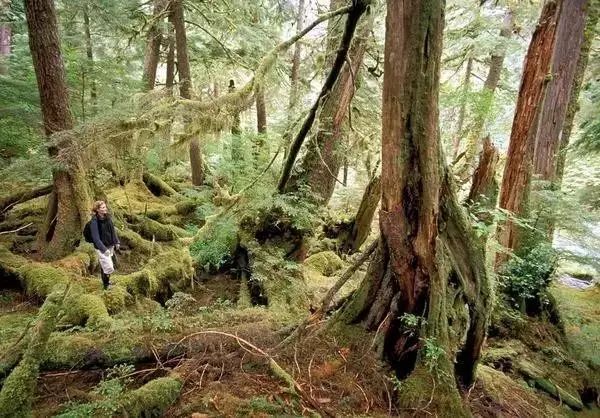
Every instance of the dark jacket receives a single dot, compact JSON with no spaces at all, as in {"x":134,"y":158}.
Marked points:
{"x":104,"y":233}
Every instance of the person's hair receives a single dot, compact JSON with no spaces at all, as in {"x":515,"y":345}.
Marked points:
{"x":97,"y":205}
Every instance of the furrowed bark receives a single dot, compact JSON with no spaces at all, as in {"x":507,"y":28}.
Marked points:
{"x":516,"y":180}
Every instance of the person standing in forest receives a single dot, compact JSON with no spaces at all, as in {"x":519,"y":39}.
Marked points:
{"x":104,"y":237}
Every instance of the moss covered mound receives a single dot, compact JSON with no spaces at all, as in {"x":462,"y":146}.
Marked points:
{"x":326,"y":262}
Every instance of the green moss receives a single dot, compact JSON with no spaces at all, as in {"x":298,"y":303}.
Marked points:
{"x":152,"y":399}
{"x":436,"y":395}
{"x":10,"y":260}
{"x":64,"y":350}
{"x":327,"y":262}
{"x":40,"y":279}
{"x":88,"y":309}
{"x":185,"y":207}
{"x":134,"y":241}
{"x":116,"y":298}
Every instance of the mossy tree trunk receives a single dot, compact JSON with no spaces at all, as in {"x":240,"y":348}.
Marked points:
{"x":170,"y":71}
{"x":324,"y":156}
{"x":185,"y":85}
{"x":236,"y":129}
{"x":463,"y":107}
{"x":153,"y":41}
{"x":69,"y":202}
{"x":483,"y":105}
{"x":516,"y":181}
{"x":573,"y":106}
{"x":426,"y":241}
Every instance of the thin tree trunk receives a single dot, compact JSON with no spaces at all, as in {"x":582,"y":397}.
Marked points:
{"x":321,"y":163}
{"x":406,"y":276}
{"x":463,"y":107}
{"x":154,"y":39}
{"x":185,"y":85}
{"x":483,"y":105}
{"x":261,"y":112}
{"x":69,"y":202}
{"x":569,"y":38}
{"x":516,"y":180}
{"x":295,"y":74}
{"x":236,"y":130}
{"x":359,"y":7}
{"x":345,"y":175}
{"x":573,"y":106}
{"x":90,"y":58}
{"x":170,"y":77}
{"x":5,"y":47}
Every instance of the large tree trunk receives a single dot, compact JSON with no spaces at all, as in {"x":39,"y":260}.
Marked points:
{"x":89,"y":52}
{"x":573,"y":106}
{"x":483,"y":105}
{"x":422,"y":225}
{"x":569,"y":38}
{"x":5,"y":47}
{"x":321,"y":163}
{"x":154,"y":39}
{"x":484,"y":187}
{"x":185,"y":86}
{"x":516,"y":181}
{"x":69,"y":202}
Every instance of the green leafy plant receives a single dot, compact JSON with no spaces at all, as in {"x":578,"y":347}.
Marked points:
{"x":217,"y":244}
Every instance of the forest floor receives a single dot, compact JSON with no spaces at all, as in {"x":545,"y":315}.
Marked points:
{"x":225,"y":351}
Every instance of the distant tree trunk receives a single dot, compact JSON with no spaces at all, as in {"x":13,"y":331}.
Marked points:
{"x":170,"y":78}
{"x":261,"y":112}
{"x":573,"y":106}
{"x":484,"y":187}
{"x":483,"y":105}
{"x":185,"y":85}
{"x":361,"y":225}
{"x":407,"y":278}
{"x":5,"y":47}
{"x":90,"y":58}
{"x":295,"y":74}
{"x":68,"y":208}
{"x":569,"y":38}
{"x":516,"y":181}
{"x":321,"y":164}
{"x":345,"y":175}
{"x":463,"y":107}
{"x":236,"y":130}
{"x":153,"y":41}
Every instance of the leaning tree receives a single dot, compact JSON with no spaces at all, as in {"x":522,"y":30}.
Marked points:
{"x":426,"y":286}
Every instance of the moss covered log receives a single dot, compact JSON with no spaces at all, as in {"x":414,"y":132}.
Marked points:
{"x":152,"y":399}
{"x":158,"y":186}
{"x":17,"y":392}
{"x":154,"y":230}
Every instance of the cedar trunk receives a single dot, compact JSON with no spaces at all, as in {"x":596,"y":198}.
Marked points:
{"x":69,"y":201}
{"x":422,"y":225}
{"x":153,"y":41}
{"x":185,"y":85}
{"x":170,"y":76}
{"x":569,"y":38}
{"x":321,"y":163}
{"x":573,"y":106}
{"x":516,"y":181}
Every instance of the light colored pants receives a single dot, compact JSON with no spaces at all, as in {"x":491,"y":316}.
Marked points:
{"x":106,"y":261}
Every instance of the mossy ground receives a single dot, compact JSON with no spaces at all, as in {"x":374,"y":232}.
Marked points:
{"x":337,"y":367}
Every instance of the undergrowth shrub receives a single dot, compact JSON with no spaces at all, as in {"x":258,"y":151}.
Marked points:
{"x":524,"y":280}
{"x":217,"y":245}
